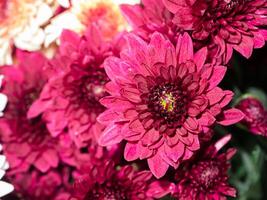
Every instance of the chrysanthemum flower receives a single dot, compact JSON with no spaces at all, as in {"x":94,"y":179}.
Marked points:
{"x":255,"y":115}
{"x":162,"y":97}
{"x":26,"y":142}
{"x":149,"y":16}
{"x":82,"y":14}
{"x":206,"y":177}
{"x":223,"y":25}
{"x":35,"y":185}
{"x":107,"y":182}
{"x":70,"y":98}
{"x":5,"y":187}
{"x":21,"y":24}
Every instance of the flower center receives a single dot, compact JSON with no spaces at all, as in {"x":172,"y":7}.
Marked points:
{"x":167,"y":102}
{"x":206,"y":174}
{"x":222,"y":8}
{"x":86,"y":91}
{"x":34,"y":130}
{"x":30,"y":96}
{"x":107,"y":191}
{"x":93,"y":88}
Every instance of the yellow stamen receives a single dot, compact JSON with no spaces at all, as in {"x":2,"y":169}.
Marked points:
{"x":168,"y":102}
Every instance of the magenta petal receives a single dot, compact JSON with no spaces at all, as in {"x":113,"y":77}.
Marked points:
{"x":131,"y":94}
{"x":263,"y":33}
{"x":69,"y":37}
{"x":228,"y":53}
{"x":195,"y":144}
{"x":216,"y":76}
{"x":231,"y":116}
{"x":188,"y":154}
{"x":245,"y":47}
{"x":157,"y":46}
{"x":131,"y":151}
{"x":200,"y":58}
{"x":56,"y":122}
{"x":230,"y":153}
{"x":108,"y":117}
{"x":206,"y":119}
{"x":227,"y":98}
{"x":38,"y":107}
{"x":159,"y":189}
{"x":174,"y":6}
{"x":184,"y":48}
{"x":157,"y":166}
{"x":132,"y":14}
{"x":191,"y":124}
{"x":51,"y":157}
{"x":215,"y":95}
{"x":259,"y":40}
{"x":136,"y":126}
{"x":144,"y":152}
{"x":112,"y":88}
{"x":170,"y":57}
{"x":176,"y":152}
{"x":228,"y":191}
{"x":138,"y":48}
{"x":115,"y":103}
{"x":150,"y":137}
{"x":41,"y":164}
{"x":110,"y":136}
{"x":113,"y":70}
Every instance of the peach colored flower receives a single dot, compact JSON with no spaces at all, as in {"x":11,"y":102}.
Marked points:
{"x":83,"y":13}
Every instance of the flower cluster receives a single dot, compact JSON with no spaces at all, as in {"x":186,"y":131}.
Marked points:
{"x":109,"y":102}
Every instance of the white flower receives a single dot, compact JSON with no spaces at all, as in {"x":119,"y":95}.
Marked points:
{"x":3,"y":98}
{"x":132,"y":2}
{"x":64,"y":3}
{"x":22,"y":25}
{"x":5,"y":188}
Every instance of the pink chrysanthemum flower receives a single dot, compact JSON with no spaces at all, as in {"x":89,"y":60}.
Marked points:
{"x":162,"y":97}
{"x":149,"y":16}
{"x":35,"y":185}
{"x":107,"y":182}
{"x":255,"y":115}
{"x":206,"y":177}
{"x":70,"y":98}
{"x":224,"y":25}
{"x":27,"y":142}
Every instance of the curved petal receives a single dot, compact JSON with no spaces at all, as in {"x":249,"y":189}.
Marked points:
{"x":111,"y":135}
{"x":157,"y":166}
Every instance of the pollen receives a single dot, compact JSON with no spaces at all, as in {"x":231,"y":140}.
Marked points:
{"x":168,"y":102}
